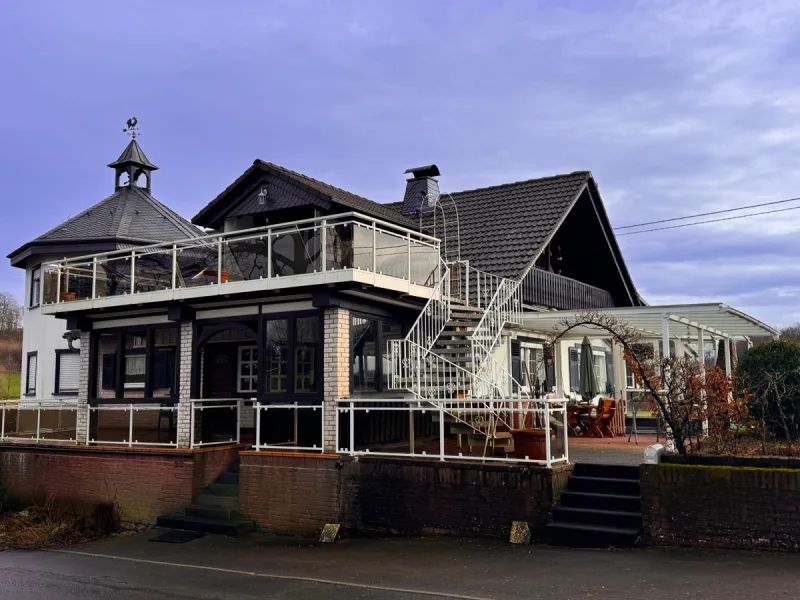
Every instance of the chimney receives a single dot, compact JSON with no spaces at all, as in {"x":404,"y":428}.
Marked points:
{"x":422,"y":190}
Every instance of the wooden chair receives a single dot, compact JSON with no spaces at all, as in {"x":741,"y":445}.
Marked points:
{"x":606,"y":418}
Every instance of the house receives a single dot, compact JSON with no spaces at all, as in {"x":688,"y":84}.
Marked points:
{"x":291,"y":315}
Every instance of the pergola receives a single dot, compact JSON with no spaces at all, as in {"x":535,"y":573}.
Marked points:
{"x":696,"y":322}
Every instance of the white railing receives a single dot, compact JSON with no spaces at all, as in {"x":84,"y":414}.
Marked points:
{"x":225,"y":415}
{"x":349,"y":241}
{"x":546,"y":422}
{"x":288,"y":419}
{"x":472,"y":286}
{"x":132,"y":425}
{"x":48,"y":421}
{"x":504,"y":307}
{"x":435,"y":314}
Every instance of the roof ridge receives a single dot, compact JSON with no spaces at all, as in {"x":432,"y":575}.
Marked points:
{"x":68,"y":220}
{"x":502,"y":185}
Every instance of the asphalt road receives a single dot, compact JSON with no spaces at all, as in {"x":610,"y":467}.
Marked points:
{"x":131,"y":567}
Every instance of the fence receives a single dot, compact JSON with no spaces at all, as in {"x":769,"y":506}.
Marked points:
{"x":292,"y":426}
{"x":38,"y":421}
{"x":454,"y":430}
{"x":133,"y":425}
{"x":544,"y":288}
{"x":214,"y":422}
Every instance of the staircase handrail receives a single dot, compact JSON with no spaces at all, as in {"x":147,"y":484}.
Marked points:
{"x":425,"y":328}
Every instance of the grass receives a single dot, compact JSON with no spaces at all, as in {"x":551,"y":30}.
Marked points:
{"x":9,"y":386}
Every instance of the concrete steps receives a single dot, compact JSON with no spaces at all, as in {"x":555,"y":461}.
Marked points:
{"x":214,"y":510}
{"x":600,"y":508}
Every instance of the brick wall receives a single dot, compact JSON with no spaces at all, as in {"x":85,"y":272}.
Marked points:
{"x":336,"y":371}
{"x":721,"y":507}
{"x":143,"y":484}
{"x":300,"y":493}
{"x":185,"y":384}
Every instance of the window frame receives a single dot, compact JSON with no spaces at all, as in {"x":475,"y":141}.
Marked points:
{"x":36,"y":283}
{"x":254,"y":366}
{"x":57,"y":388}
{"x":381,"y":387}
{"x":28,"y":391}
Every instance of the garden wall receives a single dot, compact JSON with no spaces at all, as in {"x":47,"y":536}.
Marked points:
{"x":721,"y":506}
{"x":143,"y":483}
{"x":300,"y":493}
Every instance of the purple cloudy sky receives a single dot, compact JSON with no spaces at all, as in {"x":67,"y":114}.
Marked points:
{"x":677,"y":107}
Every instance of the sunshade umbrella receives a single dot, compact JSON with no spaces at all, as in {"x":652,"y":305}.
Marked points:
{"x":587,"y":387}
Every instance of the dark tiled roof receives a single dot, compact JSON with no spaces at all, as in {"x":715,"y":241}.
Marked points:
{"x":133,"y":154}
{"x":338,"y":195}
{"x":130,"y":214}
{"x":503,"y":227}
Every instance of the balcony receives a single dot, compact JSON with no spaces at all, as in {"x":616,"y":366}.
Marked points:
{"x":350,"y":247}
{"x":544,"y":288}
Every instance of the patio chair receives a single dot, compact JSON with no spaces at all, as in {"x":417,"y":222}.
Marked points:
{"x":607,"y":417}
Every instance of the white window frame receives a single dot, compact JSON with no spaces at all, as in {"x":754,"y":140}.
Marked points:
{"x":36,"y":283}
{"x":28,"y":390}
{"x":528,"y":346}
{"x":59,"y":358}
{"x":253,"y":376}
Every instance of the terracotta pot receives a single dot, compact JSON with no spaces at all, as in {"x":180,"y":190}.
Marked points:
{"x":531,"y":443}
{"x":67,"y":296}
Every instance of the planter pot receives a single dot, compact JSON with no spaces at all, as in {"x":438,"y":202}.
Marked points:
{"x":67,"y":296}
{"x":531,"y":443}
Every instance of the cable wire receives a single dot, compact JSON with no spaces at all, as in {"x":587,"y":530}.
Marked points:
{"x":706,"y":214}
{"x":766,"y":212}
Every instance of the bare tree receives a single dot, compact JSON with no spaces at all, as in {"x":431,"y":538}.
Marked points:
{"x":10,"y":314}
{"x":791,"y":333}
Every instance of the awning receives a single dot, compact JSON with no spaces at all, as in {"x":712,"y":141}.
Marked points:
{"x":680,"y":320}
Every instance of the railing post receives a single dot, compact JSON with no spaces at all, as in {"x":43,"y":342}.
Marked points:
{"x":238,"y":420}
{"x":352,"y":427}
{"x":219,"y":260}
{"x":566,"y":442}
{"x":258,"y":425}
{"x":466,"y":293}
{"x":133,"y":271}
{"x":94,"y":278}
{"x":130,"y":425}
{"x":269,"y":253}
{"x":38,"y":422}
{"x":441,"y":432}
{"x":3,"y":426}
{"x":408,"y":249}
{"x":58,"y":284}
{"x":174,"y":264}
{"x":323,"y":240}
{"x":374,"y":248}
{"x":548,"y":451}
{"x":191,"y":424}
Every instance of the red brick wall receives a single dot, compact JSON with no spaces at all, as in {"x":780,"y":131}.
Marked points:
{"x":299,"y":494}
{"x":143,"y":484}
{"x":721,"y":507}
{"x":290,"y":493}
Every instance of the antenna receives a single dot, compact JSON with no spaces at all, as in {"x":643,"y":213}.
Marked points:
{"x":132,"y":129}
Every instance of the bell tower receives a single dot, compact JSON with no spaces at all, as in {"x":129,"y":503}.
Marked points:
{"x":132,"y":162}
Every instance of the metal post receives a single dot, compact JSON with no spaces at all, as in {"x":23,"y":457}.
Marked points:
{"x":238,"y":421}
{"x":295,"y":423}
{"x":269,"y":253}
{"x":88,"y":423}
{"x":665,"y":353}
{"x":174,"y":264}
{"x":191,"y":424}
{"x":38,"y":422}
{"x":411,"y":427}
{"x":701,"y":357}
{"x":548,"y":450}
{"x":441,"y":433}
{"x":3,"y":426}
{"x":566,"y":437}
{"x":323,"y":240}
{"x":219,"y":260}
{"x":352,"y":428}
{"x":374,"y":248}
{"x":728,"y":356}
{"x":478,"y":293}
{"x":94,"y":278}
{"x":408,"y":246}
{"x":130,"y":426}
{"x":133,"y":271}
{"x":466,"y":292}
{"x":258,"y":425}
{"x":58,"y":285}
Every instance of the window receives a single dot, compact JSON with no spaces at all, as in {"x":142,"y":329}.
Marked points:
{"x":67,"y":371}
{"x":534,"y":375}
{"x":247,"y":369}
{"x":30,"y":381}
{"x":135,"y":363}
{"x":36,"y":287}
{"x":370,"y":360}
{"x":277,"y":349}
{"x":306,"y":353}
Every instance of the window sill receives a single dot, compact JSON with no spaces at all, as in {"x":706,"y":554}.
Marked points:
{"x":65,"y":393}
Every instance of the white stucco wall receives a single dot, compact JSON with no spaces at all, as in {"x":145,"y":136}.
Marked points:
{"x":42,"y":334}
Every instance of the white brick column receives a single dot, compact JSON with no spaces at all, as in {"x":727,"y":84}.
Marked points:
{"x":82,"y":417}
{"x":185,"y":385}
{"x":336,"y":373}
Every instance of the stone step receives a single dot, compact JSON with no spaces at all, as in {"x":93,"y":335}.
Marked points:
{"x":224,"y":489}
{"x":580,"y":535}
{"x":212,"y":512}
{"x":604,"y":485}
{"x":208,"y":499}
{"x":597,"y":516}
{"x":229,"y":477}
{"x":601,"y":470}
{"x":601,"y":501}
{"x":205,"y":525}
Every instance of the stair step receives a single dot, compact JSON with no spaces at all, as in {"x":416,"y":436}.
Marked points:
{"x":205,"y":525}
{"x":229,"y":477}
{"x":212,"y":512}
{"x":612,"y":471}
{"x":580,"y":535}
{"x":224,"y":489}
{"x":596,"y":516}
{"x":207,"y":499}
{"x":601,"y":501}
{"x":604,"y":485}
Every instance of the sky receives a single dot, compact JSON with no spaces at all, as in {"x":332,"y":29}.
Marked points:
{"x":677,"y":107}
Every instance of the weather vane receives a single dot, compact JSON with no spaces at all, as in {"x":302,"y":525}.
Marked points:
{"x":131,"y":129}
